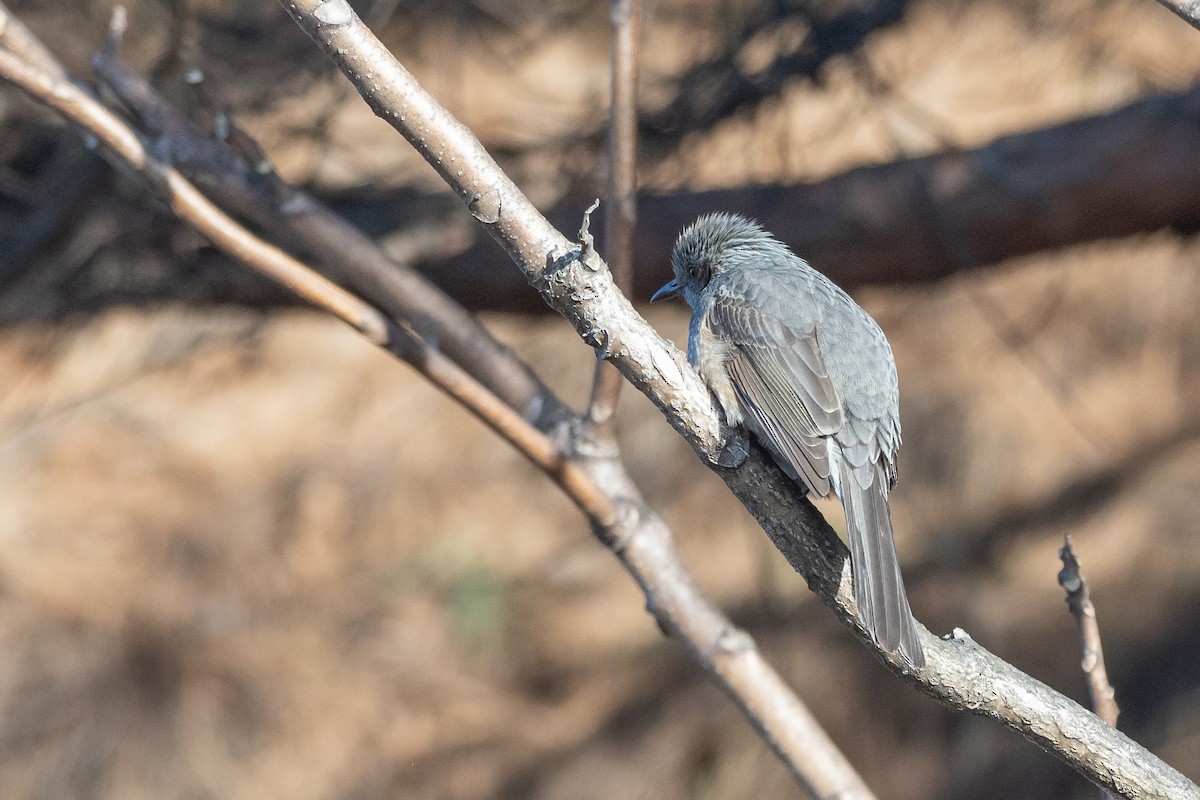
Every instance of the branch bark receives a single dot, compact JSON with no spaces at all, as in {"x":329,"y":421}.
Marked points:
{"x":959,"y":672}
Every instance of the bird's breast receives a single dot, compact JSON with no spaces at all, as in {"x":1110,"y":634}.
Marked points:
{"x":709,"y":354}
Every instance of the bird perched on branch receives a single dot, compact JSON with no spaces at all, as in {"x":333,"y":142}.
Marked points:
{"x":790,"y":356}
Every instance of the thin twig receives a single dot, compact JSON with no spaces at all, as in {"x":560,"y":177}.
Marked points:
{"x":620,"y":213}
{"x":190,"y":205}
{"x":958,"y":672}
{"x":1079,"y":601}
{"x":237,"y":242}
{"x":599,"y":487}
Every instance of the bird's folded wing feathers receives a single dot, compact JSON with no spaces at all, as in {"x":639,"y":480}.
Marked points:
{"x":782,"y":385}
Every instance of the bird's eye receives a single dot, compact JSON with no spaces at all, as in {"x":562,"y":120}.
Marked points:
{"x":694,"y":272}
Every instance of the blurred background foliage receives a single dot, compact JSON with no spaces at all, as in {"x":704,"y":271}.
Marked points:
{"x":245,"y":555}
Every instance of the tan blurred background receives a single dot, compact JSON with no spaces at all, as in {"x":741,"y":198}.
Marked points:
{"x":245,"y":555}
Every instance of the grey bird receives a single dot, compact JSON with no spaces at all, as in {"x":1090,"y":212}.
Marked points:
{"x":789,"y":355}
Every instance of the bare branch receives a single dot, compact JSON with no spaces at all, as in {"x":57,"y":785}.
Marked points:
{"x":599,"y":487}
{"x":959,"y":672}
{"x":620,"y":214}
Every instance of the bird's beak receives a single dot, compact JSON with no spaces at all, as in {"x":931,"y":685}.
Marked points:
{"x":671,"y":289}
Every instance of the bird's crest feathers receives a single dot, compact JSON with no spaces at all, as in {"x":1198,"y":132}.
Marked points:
{"x":710,"y":236}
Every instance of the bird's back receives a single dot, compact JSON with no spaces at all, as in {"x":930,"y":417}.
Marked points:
{"x":854,"y":348}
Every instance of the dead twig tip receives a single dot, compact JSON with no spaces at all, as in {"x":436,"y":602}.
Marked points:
{"x":117,"y":25}
{"x":587,"y":244}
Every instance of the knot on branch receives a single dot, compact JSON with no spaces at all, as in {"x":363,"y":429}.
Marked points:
{"x":618,"y":534}
{"x":486,"y":206}
{"x":732,"y":641}
{"x":582,"y":440}
{"x":334,"y":12}
{"x":569,"y":278}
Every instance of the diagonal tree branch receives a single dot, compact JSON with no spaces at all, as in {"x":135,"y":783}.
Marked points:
{"x":598,"y":486}
{"x":959,"y":672}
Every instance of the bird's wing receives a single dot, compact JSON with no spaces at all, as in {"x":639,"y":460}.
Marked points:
{"x":782,"y":385}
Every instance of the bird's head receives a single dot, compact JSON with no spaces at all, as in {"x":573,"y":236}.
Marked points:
{"x":707,"y":247}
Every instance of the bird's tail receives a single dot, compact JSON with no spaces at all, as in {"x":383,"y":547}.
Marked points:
{"x":878,"y":587}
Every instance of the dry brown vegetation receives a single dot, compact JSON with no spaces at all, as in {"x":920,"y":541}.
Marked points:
{"x":246,"y":555}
